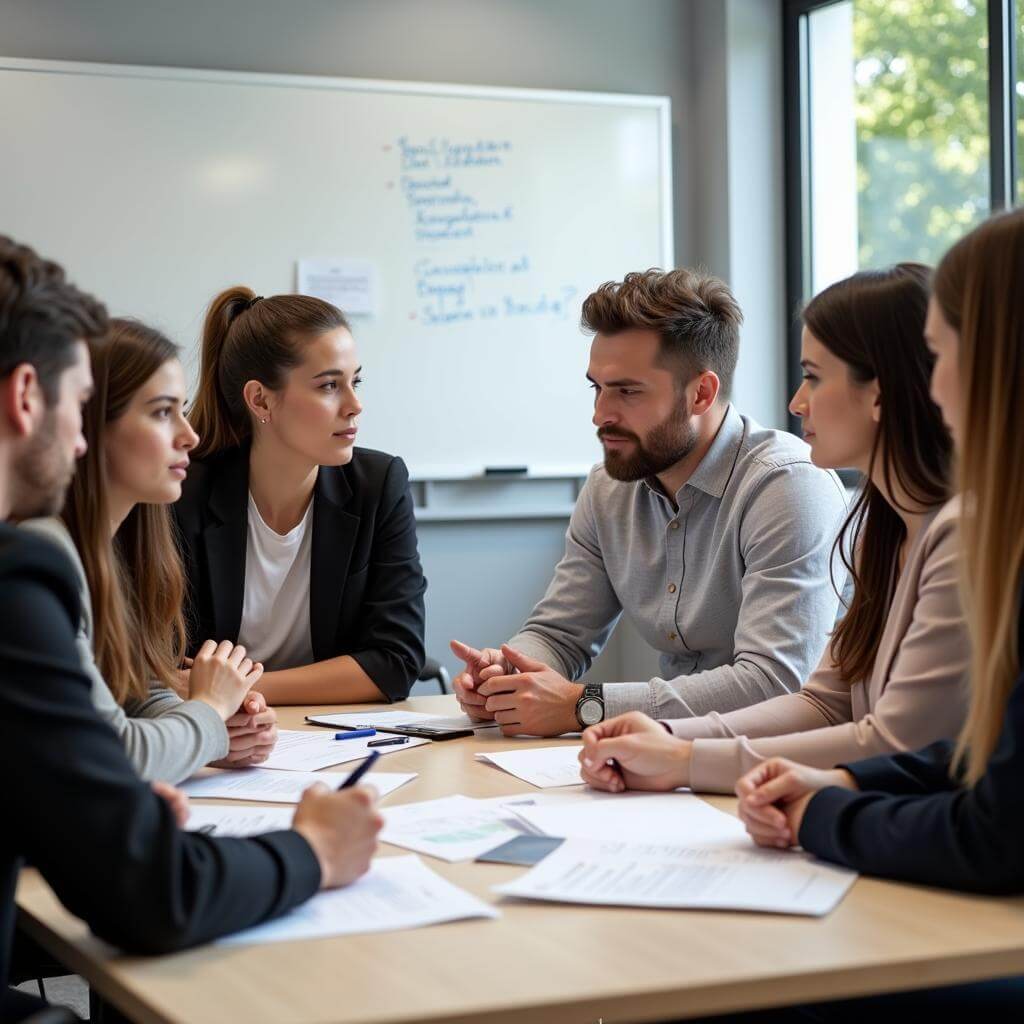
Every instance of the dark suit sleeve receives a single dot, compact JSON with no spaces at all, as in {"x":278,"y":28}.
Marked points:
{"x":106,"y":844}
{"x":388,"y":642}
{"x":933,"y":832}
{"x":907,"y":774}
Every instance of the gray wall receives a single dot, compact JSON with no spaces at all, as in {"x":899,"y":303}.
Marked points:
{"x":718,"y":60}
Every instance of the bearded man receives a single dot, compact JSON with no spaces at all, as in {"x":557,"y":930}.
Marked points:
{"x":712,"y":534}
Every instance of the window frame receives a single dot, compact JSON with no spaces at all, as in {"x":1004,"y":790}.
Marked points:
{"x":1002,"y":80}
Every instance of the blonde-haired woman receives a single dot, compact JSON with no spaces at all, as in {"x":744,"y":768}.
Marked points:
{"x":952,"y":814}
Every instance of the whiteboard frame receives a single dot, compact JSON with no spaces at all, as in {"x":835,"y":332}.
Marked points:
{"x":662,"y":104}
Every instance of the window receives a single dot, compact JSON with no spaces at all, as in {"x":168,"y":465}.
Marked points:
{"x":901,"y":118}
{"x":1020,"y":102}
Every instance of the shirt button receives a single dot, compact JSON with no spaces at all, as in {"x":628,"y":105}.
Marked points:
{"x":674,"y":525}
{"x":671,"y":588}
{"x":672,"y":636}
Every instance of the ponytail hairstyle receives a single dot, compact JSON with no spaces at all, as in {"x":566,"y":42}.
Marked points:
{"x":247,"y":337}
{"x":977,"y":289}
{"x":135,"y":581}
{"x":874,"y":322}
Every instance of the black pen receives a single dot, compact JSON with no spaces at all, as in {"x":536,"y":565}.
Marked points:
{"x":389,"y":742}
{"x":361,"y":770}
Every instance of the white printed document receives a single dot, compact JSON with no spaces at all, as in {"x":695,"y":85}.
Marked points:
{"x":543,"y":767}
{"x":736,"y":877}
{"x":658,"y":817}
{"x":453,"y":828}
{"x":397,"y":892}
{"x":350,"y":285}
{"x":299,"y":750}
{"x":218,"y":820}
{"x":280,"y":787}
{"x":389,"y":719}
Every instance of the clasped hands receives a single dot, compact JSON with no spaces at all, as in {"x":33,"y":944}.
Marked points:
{"x":523,"y":695}
{"x":221,"y":675}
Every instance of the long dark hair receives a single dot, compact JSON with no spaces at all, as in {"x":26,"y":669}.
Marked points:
{"x":247,"y":337}
{"x":136,"y":582}
{"x":874,"y":322}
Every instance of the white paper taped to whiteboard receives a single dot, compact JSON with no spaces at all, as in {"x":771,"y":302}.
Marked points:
{"x":348,"y":284}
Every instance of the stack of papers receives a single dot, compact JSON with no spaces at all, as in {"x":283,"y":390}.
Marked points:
{"x":397,"y":892}
{"x":544,"y":767}
{"x":389,"y":719}
{"x":455,"y":827}
{"x":299,"y":750}
{"x":275,"y":787}
{"x":654,"y":817}
{"x":723,"y":877}
{"x":238,"y":821}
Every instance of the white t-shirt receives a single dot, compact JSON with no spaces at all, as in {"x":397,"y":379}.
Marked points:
{"x":275,"y":609}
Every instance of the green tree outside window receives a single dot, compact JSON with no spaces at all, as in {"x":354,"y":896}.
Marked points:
{"x":921,"y":93}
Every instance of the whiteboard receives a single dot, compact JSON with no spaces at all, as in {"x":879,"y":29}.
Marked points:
{"x":486,"y":216}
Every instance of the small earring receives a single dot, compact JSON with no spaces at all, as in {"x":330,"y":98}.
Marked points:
{"x":263,"y":421}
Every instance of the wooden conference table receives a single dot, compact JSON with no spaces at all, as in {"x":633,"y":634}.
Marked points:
{"x":547,"y":963}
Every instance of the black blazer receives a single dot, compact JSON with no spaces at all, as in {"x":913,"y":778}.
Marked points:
{"x":77,"y":811}
{"x":366,"y":584}
{"x":913,"y":822}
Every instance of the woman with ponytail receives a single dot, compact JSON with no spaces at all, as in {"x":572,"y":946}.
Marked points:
{"x":117,"y":531}
{"x":297,"y":544}
{"x":952,"y":814}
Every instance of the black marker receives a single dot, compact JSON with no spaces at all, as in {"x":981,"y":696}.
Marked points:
{"x":388,"y":743}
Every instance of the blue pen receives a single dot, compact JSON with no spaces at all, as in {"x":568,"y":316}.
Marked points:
{"x":354,"y":734}
{"x":359,"y":772}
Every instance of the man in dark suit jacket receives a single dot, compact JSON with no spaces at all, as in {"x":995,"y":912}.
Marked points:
{"x":108,"y":846}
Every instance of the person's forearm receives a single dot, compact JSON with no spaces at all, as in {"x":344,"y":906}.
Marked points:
{"x":716,"y":764}
{"x":721,"y":689}
{"x":539,"y":644}
{"x":338,"y":680}
{"x":778,"y":716}
{"x":180,"y":739}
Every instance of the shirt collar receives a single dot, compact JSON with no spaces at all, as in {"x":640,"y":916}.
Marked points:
{"x":713,"y":472}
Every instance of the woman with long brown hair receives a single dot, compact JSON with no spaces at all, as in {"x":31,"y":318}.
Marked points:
{"x":951,"y":814}
{"x":117,"y":531}
{"x":297,"y":543}
{"x":892,"y":676}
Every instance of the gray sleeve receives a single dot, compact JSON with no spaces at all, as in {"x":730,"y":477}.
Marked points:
{"x":166,"y":739}
{"x":788,"y":604}
{"x":168,"y":748}
{"x":574,"y":619}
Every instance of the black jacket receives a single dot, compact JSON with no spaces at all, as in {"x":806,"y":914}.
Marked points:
{"x":366,"y":584}
{"x":77,"y":811}
{"x":913,"y":822}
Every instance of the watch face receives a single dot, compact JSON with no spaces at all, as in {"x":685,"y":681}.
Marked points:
{"x":591,"y":711}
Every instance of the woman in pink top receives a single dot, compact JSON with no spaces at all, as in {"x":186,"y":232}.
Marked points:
{"x":892,"y":677}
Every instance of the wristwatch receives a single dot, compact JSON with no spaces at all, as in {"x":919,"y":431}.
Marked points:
{"x":590,"y":706}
